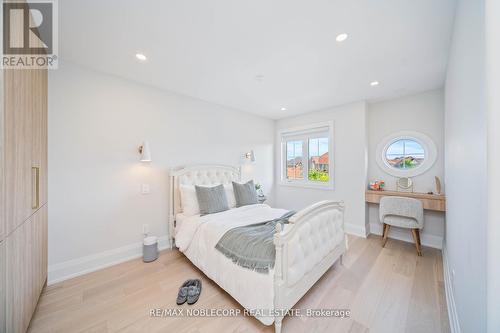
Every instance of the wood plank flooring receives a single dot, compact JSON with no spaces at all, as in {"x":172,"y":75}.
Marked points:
{"x":387,"y":289}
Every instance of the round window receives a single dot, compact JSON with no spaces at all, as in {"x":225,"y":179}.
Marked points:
{"x":406,"y":154}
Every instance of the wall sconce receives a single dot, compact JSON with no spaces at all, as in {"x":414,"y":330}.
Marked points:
{"x":145,"y":152}
{"x":249,"y":157}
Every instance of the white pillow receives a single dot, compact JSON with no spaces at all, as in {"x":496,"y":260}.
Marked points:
{"x":231,"y":199}
{"x":189,"y":201}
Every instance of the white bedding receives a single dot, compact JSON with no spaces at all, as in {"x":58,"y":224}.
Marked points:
{"x":196,"y":236}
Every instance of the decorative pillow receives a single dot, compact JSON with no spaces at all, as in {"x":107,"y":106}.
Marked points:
{"x":211,"y":199}
{"x":245,"y":194}
{"x":231,"y":200}
{"x":189,"y":201}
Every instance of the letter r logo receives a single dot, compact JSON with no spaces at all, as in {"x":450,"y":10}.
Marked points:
{"x":27,"y":28}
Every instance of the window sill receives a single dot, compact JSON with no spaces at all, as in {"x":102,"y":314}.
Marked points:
{"x":324,"y":187}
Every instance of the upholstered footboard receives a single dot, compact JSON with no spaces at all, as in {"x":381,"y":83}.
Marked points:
{"x":305,"y":250}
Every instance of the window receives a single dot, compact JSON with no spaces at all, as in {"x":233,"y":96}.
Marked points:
{"x":406,"y":154}
{"x":307,"y":156}
{"x":294,"y":160}
{"x":319,"y":164}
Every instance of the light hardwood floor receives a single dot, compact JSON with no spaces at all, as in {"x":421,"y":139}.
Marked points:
{"x":387,"y":289}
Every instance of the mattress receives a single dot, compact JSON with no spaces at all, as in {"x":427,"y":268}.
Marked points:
{"x":179,"y":219}
{"x":196,"y":237}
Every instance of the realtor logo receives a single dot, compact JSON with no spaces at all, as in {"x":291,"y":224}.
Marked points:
{"x":29,"y":34}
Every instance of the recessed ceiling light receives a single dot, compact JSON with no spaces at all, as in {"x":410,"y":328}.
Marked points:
{"x":341,"y":37}
{"x":374,"y":83}
{"x":283,"y":109}
{"x":141,"y":57}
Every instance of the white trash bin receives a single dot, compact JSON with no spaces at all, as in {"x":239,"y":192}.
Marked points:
{"x":150,"y":249}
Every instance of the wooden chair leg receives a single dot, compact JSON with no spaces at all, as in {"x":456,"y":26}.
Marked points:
{"x":416,"y":238}
{"x":419,"y":244}
{"x":386,"y":233}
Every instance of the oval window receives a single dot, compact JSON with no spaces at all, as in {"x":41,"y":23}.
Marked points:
{"x":405,"y":154}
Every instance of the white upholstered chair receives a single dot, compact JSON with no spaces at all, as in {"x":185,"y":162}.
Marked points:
{"x":404,"y":213}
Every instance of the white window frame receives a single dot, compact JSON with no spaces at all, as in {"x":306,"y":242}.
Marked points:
{"x":430,"y":151}
{"x":304,"y":133}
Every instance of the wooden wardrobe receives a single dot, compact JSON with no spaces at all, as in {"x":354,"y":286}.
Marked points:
{"x":23,"y":195}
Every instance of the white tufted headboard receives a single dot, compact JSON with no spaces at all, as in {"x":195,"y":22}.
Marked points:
{"x":196,"y":175}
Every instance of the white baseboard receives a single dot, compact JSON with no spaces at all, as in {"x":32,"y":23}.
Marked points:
{"x":405,"y":235}
{"x":79,"y":266}
{"x":356,"y":230}
{"x":450,"y":299}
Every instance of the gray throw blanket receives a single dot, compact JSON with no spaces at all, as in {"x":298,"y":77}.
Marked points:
{"x":252,"y":246}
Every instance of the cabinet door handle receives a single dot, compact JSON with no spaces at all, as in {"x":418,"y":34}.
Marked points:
{"x":35,"y":201}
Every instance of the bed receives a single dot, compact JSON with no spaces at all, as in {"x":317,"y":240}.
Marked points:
{"x":306,"y":248}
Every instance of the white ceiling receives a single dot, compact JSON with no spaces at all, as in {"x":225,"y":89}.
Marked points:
{"x":214,"y":49}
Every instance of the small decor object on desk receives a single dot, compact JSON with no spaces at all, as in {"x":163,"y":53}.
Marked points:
{"x":404,"y":184}
{"x":438,"y":185}
{"x":150,"y":249}
{"x":377,"y":185}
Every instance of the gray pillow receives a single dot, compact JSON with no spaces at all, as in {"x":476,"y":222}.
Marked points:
{"x":211,"y":199}
{"x":245,"y":194}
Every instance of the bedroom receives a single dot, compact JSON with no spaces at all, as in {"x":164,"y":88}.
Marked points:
{"x":317,"y":103}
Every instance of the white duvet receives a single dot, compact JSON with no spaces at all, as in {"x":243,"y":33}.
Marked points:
{"x":197,"y":236}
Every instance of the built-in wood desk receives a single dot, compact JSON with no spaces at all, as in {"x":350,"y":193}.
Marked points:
{"x":435,"y":202}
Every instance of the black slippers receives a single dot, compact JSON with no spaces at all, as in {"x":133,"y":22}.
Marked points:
{"x":183,"y":292}
{"x":194,"y":292}
{"x":189,"y":291}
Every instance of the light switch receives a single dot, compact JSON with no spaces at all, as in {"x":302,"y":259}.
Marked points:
{"x":145,"y":189}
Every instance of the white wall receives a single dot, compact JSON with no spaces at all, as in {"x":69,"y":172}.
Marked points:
{"x":349,"y":160}
{"x":96,"y":123}
{"x":493,"y":106}
{"x":422,"y":113}
{"x":466,"y":169}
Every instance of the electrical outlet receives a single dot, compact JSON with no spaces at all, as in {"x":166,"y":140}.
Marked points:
{"x":145,"y":229}
{"x":145,"y":189}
